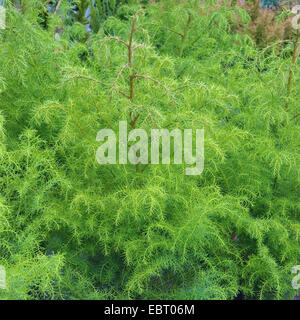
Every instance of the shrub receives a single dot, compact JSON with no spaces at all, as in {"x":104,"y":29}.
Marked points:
{"x":72,"y":229}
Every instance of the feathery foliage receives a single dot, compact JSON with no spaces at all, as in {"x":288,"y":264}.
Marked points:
{"x":72,"y":229}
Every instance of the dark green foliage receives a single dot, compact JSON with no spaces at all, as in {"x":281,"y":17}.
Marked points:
{"x":73,"y":229}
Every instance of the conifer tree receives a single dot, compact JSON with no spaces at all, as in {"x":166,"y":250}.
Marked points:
{"x":73,"y":229}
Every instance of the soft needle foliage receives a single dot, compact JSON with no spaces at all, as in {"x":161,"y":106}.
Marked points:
{"x":73,"y":229}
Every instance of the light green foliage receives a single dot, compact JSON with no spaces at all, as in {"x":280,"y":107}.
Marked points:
{"x":73,"y":229}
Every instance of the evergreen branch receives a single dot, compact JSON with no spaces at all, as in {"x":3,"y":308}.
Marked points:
{"x":119,"y":40}
{"x":158,"y":82}
{"x":116,"y":80}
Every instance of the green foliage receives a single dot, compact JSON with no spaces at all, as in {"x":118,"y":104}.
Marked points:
{"x":73,"y":229}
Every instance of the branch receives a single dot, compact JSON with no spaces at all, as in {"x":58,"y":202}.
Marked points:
{"x":133,"y":120}
{"x":296,"y":116}
{"x":124,"y":94}
{"x":158,"y":82}
{"x":181,"y":87}
{"x":116,"y":80}
{"x":139,"y":46}
{"x":119,"y":40}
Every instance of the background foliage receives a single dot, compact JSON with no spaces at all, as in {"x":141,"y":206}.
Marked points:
{"x":72,"y":229}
